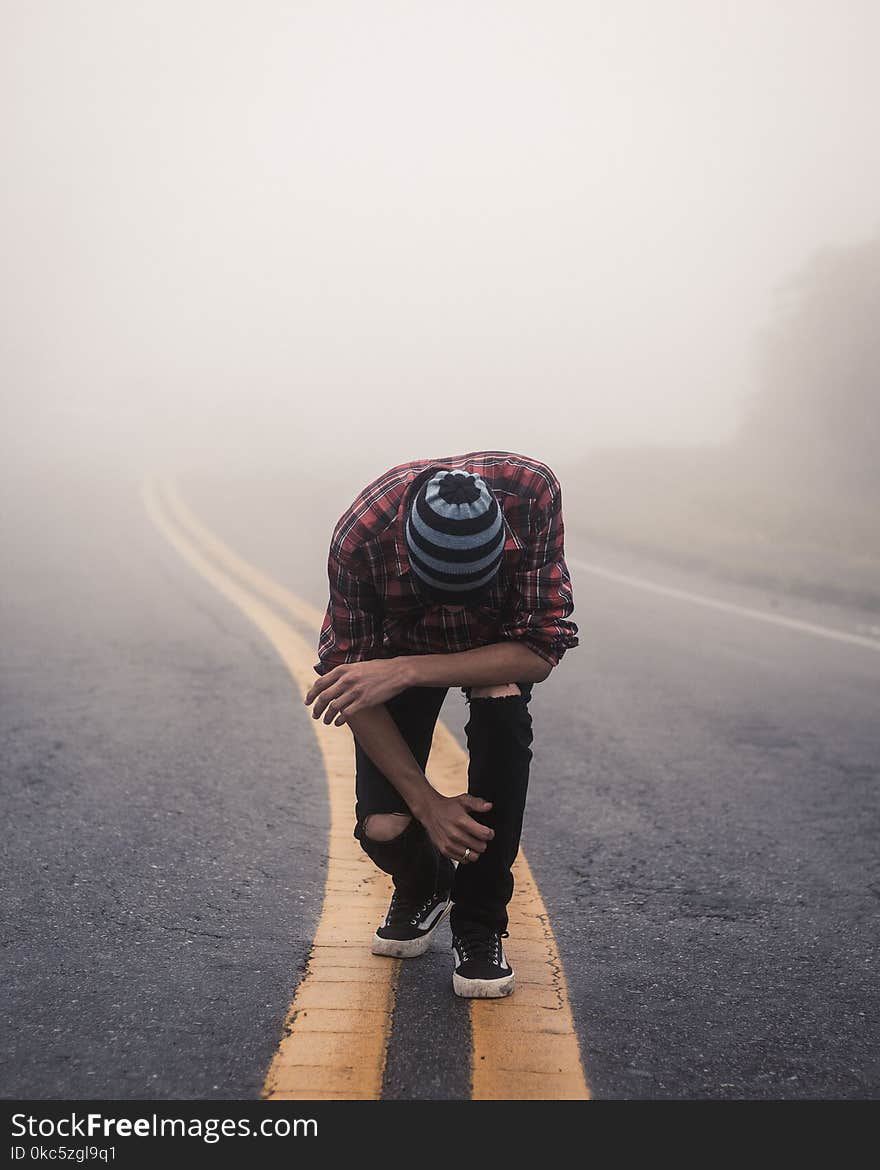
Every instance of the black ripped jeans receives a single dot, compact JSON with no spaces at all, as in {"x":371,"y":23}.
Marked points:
{"x":499,"y":735}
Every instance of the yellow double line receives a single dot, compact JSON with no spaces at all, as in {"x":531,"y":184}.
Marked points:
{"x":336,"y":1032}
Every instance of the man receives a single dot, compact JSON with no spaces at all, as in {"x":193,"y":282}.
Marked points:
{"x":445,"y":572}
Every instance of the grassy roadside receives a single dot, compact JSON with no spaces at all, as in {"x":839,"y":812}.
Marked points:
{"x":711,"y":510}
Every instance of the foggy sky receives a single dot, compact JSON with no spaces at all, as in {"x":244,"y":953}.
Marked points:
{"x":236,"y":233}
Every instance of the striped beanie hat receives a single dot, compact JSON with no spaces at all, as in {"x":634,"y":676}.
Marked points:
{"x":454,"y":535}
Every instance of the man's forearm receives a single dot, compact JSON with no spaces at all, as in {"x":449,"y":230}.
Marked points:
{"x":380,"y":737}
{"x":499,"y":662}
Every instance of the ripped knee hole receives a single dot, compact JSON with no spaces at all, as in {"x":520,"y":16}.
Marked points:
{"x":385,"y":826}
{"x":498,"y":691}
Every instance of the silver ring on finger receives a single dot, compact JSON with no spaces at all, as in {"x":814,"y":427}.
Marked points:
{"x":466,"y":853}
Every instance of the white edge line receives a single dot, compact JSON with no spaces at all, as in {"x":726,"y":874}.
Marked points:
{"x":729,"y":607}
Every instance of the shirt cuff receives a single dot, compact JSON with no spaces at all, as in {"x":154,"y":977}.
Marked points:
{"x":550,"y":651}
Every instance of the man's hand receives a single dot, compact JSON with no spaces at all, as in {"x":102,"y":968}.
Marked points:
{"x":349,"y":688}
{"x":452,"y":830}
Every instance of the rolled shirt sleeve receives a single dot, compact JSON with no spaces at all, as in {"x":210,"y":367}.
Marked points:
{"x":542,"y":593}
{"x":352,"y":626}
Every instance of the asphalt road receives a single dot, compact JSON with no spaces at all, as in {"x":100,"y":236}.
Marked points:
{"x":702,"y":820}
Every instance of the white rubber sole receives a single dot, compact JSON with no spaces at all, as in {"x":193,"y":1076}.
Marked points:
{"x":408,"y":948}
{"x":483,"y":988}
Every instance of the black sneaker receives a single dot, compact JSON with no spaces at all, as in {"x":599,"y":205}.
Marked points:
{"x":481,"y":967}
{"x":409,"y":924}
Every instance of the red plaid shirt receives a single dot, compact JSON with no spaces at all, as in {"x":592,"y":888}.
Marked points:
{"x":375,"y":610}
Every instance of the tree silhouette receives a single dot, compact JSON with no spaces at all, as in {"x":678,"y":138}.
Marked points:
{"x":814,"y":423}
